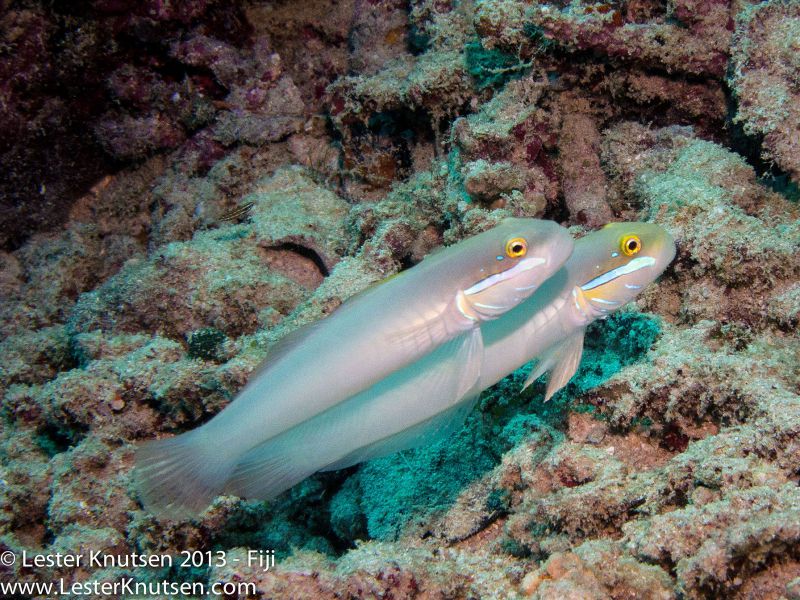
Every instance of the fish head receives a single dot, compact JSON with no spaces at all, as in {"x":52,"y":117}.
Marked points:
{"x":616,"y":262}
{"x":511,"y":261}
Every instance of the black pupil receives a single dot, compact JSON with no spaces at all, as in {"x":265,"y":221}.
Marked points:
{"x":632,"y":245}
{"x":516,"y":248}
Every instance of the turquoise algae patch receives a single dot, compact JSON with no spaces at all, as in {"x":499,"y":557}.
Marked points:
{"x":491,"y":68}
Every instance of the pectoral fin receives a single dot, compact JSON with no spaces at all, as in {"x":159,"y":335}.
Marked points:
{"x":562,"y":361}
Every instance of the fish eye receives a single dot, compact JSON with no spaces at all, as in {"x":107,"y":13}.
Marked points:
{"x":516,"y":247}
{"x":630,"y":245}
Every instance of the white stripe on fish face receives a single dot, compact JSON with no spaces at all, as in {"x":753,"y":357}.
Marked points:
{"x":526,"y":264}
{"x":527,"y":287}
{"x":604,"y":301}
{"x":490,"y":306}
{"x":498,"y":293}
{"x":634,"y":265}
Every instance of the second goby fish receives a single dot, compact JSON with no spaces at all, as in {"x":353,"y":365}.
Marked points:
{"x":431,"y":398}
{"x":442,"y":300}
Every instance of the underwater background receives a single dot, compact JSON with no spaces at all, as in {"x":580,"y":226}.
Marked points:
{"x":184,"y":183}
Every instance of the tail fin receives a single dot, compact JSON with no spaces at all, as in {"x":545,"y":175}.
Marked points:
{"x":179,"y":477}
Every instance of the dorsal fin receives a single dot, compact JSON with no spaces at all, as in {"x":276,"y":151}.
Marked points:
{"x":296,"y":338}
{"x":372,"y":286}
{"x":285,"y":345}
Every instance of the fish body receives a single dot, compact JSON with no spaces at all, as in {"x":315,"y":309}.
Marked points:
{"x":430,"y":398}
{"x":441,"y":301}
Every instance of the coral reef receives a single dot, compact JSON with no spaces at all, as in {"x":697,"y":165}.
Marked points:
{"x":186,"y":183}
{"x":764,"y":80}
{"x":67,"y":70}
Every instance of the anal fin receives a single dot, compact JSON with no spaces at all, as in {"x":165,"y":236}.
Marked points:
{"x":434,"y":429}
{"x":561,"y":361}
{"x":446,"y":384}
{"x":423,"y":401}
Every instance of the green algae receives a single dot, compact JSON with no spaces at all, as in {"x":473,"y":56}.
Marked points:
{"x":206,"y":343}
{"x":498,"y":501}
{"x":418,"y":39}
{"x":295,"y":522}
{"x":782,"y":184}
{"x":491,"y":68}
{"x":539,"y":37}
{"x":394,"y":490}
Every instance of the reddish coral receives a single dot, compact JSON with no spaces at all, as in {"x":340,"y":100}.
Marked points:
{"x":582,"y":180}
{"x":53,"y":85}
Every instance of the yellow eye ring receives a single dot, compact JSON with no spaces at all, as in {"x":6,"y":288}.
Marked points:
{"x":630,"y":245}
{"x":516,"y":247}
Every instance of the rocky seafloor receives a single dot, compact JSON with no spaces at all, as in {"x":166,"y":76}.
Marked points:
{"x":354,"y":137}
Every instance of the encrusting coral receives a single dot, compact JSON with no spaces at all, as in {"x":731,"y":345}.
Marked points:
{"x":268,"y":164}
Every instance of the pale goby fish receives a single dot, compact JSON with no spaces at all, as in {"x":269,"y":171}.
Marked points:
{"x":442,"y":300}
{"x":430,"y":398}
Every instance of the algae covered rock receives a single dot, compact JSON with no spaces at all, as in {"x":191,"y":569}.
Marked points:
{"x":218,"y":279}
{"x":764,"y":75}
{"x":291,"y":210}
{"x":226,"y":278}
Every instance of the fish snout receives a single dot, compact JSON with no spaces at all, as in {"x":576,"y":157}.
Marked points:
{"x":558,"y":249}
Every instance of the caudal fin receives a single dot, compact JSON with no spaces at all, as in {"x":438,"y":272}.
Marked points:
{"x":179,"y":477}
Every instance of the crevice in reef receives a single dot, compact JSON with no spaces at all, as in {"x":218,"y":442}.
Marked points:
{"x":751,"y":147}
{"x":53,"y":440}
{"x":306,"y":253}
